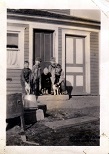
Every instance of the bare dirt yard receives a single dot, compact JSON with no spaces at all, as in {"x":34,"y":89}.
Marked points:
{"x":84,"y":134}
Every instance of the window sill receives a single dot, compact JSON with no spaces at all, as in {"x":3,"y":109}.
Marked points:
{"x":14,"y":67}
{"x":13,"y":49}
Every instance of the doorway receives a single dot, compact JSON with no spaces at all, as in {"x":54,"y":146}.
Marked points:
{"x":75,"y":64}
{"x":43,"y":46}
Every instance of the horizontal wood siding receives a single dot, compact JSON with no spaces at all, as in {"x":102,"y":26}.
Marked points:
{"x":60,"y":45}
{"x":14,"y":86}
{"x":94,"y":59}
{"x":26,"y":43}
{"x":63,"y":11}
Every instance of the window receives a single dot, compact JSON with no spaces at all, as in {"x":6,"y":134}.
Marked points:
{"x":15,"y":47}
{"x":12,"y":40}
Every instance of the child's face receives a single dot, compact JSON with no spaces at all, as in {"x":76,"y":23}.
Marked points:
{"x":58,"y":69}
{"x":26,"y":65}
{"x":52,"y":63}
{"x":37,"y":62}
{"x":45,"y":71}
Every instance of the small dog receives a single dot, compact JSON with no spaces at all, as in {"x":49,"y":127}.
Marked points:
{"x":27,"y":88}
{"x":56,"y":89}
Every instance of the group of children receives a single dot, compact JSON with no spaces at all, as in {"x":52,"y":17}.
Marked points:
{"x":40,"y":81}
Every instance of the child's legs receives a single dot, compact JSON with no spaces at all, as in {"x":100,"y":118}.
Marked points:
{"x":56,"y":79}
{"x":49,"y":89}
{"x":48,"y":86}
{"x":63,"y":89}
{"x":23,"y":94}
{"x":36,"y":87}
{"x":42,"y":85}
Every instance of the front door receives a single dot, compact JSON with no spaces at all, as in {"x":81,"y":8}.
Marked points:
{"x":43,"y":46}
{"x":75,"y":64}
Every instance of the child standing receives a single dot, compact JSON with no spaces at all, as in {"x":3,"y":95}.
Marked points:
{"x":25,"y":78}
{"x":52,"y":70}
{"x":36,"y":77}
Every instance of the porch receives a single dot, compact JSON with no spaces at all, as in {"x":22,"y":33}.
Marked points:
{"x":63,"y":101}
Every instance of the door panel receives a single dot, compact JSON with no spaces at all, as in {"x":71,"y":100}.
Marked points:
{"x":69,"y":49}
{"x":47,"y":47}
{"x":43,"y":46}
{"x":37,"y":46}
{"x":79,"y":80}
{"x":79,"y":51}
{"x":75,"y":64}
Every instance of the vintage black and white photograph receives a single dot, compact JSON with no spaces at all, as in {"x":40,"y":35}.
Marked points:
{"x":54,"y":76}
{"x":54,"y":86}
{"x":52,"y":80}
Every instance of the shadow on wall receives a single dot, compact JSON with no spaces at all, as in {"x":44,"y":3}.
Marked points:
{"x":69,"y":88}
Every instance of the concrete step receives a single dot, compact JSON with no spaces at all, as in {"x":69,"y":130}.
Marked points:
{"x":70,"y":122}
{"x":74,"y":102}
{"x":53,"y":98}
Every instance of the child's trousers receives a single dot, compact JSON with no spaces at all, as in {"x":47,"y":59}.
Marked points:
{"x":35,"y":87}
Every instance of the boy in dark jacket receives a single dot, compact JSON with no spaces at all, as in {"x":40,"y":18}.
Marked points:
{"x":36,"y":77}
{"x":25,"y":77}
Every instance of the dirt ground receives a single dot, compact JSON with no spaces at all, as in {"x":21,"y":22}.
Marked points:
{"x":81,"y":135}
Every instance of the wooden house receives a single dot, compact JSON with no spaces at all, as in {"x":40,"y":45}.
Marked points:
{"x":73,"y":41}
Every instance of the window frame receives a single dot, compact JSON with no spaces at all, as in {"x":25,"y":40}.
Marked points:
{"x":12,"y":32}
{"x":20,"y":49}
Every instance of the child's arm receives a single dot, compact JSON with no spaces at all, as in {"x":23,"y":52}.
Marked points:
{"x":61,"y":77}
{"x":40,"y":79}
{"x":22,"y":79}
{"x":32,"y":72}
{"x":49,"y":68}
{"x":30,"y":75}
{"x":53,"y":76}
{"x":49,"y":74}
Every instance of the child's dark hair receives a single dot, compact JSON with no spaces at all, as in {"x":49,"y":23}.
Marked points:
{"x":26,"y":61}
{"x":59,"y":65}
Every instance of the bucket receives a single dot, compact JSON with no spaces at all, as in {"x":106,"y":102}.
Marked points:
{"x":33,"y":115}
{"x":30,"y":116}
{"x":30,"y":101}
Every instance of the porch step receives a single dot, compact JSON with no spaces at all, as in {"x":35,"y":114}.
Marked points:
{"x":53,"y":102}
{"x":53,"y":98}
{"x":70,"y":122}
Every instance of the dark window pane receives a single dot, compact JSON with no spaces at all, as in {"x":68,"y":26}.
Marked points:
{"x":12,"y":40}
{"x":47,"y":47}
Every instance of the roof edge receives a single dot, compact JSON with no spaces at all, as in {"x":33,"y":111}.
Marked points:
{"x":50,"y":14}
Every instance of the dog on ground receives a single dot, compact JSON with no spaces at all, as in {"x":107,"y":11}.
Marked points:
{"x":27,"y":88}
{"x":56,"y":89}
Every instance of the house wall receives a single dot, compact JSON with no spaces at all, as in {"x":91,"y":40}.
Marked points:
{"x":94,"y":62}
{"x":94,"y":59}
{"x":14,"y":86}
{"x":26,"y":43}
{"x":60,"y":45}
